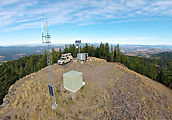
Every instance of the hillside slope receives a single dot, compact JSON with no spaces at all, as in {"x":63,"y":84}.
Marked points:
{"x":111,"y":91}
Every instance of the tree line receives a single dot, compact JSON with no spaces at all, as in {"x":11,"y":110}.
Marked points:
{"x":144,"y":66}
{"x":12,"y":71}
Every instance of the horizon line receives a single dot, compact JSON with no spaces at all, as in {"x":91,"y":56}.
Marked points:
{"x":60,"y":44}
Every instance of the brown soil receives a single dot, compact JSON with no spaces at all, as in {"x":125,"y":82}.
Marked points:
{"x":111,"y":92}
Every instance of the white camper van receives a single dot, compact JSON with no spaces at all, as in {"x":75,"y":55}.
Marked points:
{"x":67,"y":55}
{"x":65,"y":58}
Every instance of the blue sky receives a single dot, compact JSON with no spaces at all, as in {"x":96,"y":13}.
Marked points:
{"x":93,"y":21}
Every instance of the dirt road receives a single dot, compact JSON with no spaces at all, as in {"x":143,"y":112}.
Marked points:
{"x":97,"y":76}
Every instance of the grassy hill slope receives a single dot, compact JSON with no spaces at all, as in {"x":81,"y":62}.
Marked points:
{"x":111,"y":91}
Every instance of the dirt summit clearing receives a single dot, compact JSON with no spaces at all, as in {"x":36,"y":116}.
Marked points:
{"x":112,"y":92}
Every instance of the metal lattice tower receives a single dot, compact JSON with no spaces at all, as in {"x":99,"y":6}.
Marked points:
{"x":46,"y":40}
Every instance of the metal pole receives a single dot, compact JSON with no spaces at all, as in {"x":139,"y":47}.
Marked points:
{"x":79,"y":47}
{"x":46,"y":40}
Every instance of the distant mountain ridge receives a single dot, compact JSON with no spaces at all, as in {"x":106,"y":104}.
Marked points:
{"x":13,"y":52}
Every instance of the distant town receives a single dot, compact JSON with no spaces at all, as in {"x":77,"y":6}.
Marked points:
{"x":144,"y":51}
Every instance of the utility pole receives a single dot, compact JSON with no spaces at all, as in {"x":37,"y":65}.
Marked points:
{"x":46,"y":40}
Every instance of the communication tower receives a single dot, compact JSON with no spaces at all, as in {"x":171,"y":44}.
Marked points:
{"x":46,"y":40}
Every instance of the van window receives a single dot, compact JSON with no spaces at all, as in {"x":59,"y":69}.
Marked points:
{"x":62,"y":58}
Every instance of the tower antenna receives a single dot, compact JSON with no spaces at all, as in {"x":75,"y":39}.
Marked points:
{"x":42,"y":31}
{"x":47,"y":25}
{"x":46,"y":40}
{"x":42,"y":27}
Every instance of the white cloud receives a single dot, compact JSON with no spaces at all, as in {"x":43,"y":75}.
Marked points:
{"x":17,"y":14}
{"x":8,"y":2}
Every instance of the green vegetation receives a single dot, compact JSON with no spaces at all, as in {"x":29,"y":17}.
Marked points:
{"x":157,"y":68}
{"x":11,"y":71}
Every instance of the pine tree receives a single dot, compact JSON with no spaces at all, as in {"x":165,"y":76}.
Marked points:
{"x":66,"y":50}
{"x":169,"y":73}
{"x":137,"y":64}
{"x":111,"y":54}
{"x":118,"y":56}
{"x":70,"y":49}
{"x":97,"y":52}
{"x":151,"y":70}
{"x":59,"y":53}
{"x":91,"y":51}
{"x":81,"y":50}
{"x":143,"y":67}
{"x":102,"y":53}
{"x":73,"y":51}
{"x":125,"y":60}
{"x":85,"y":49}
{"x":107,"y":53}
{"x":155,"y":68}
{"x":114,"y":55}
{"x":54,"y":56}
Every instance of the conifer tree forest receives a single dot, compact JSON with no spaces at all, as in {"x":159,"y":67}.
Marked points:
{"x":12,"y":71}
